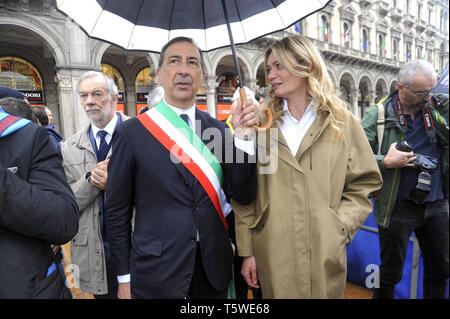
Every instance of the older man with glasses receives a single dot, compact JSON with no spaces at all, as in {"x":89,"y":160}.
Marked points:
{"x":413,"y":159}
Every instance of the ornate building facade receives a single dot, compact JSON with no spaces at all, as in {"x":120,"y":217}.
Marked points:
{"x":364,"y":42}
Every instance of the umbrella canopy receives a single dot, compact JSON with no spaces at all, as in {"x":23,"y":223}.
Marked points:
{"x":149,"y":24}
{"x":442,"y":84}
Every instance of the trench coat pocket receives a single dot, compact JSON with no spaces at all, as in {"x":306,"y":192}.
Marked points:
{"x":148,"y":246}
{"x":261,"y":219}
{"x":81,"y":239}
{"x":342,"y":227}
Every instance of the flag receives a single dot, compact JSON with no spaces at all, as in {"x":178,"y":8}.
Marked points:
{"x":365,"y":45}
{"x":298,"y":27}
{"x":408,"y":56}
{"x":383,"y":46}
{"x":325,"y":32}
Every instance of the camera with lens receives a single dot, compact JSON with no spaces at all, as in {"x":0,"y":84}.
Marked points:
{"x":426,"y":165}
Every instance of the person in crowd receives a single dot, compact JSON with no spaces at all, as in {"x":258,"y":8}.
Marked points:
{"x":413,"y":159}
{"x":18,"y":107}
{"x":180,"y":246}
{"x":85,"y":159}
{"x":49,"y":115}
{"x":155,"y":96}
{"x":31,"y":174}
{"x":293,"y":237}
{"x":41,"y":115}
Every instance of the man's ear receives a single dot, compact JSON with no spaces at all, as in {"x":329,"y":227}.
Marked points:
{"x":158,"y":74}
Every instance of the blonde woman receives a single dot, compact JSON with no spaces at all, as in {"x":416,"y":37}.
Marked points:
{"x":293,"y":236}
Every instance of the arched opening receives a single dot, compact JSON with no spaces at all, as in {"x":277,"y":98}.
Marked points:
{"x":227,"y":84}
{"x":114,"y":74}
{"x":143,"y":82}
{"x":19,"y":74}
{"x":346,"y":86}
{"x":380,"y":90}
{"x":365,"y":88}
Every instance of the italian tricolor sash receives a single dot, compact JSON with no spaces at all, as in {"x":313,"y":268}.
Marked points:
{"x":182,"y":142}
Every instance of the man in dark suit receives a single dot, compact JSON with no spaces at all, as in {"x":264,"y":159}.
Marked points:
{"x":37,"y":209}
{"x":180,"y":246}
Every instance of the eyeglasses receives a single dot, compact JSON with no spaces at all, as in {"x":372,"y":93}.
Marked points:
{"x":424,"y":93}
{"x":96,"y":95}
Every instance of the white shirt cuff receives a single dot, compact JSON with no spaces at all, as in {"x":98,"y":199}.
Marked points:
{"x":124,"y":279}
{"x":246,"y":146}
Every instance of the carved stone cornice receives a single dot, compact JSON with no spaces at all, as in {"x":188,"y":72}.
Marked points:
{"x":382,"y":26}
{"x":366,"y":20}
{"x":347,"y":12}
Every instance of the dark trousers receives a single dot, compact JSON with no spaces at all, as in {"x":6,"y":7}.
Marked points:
{"x":200,"y":286}
{"x":430,"y":225}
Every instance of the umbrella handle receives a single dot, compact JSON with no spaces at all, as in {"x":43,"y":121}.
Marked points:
{"x":267,"y":113}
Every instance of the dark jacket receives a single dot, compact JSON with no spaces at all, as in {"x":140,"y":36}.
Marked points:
{"x":55,"y":138}
{"x":37,"y":209}
{"x":160,"y":256}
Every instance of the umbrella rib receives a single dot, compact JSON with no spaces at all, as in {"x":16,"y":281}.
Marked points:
{"x":135,"y":23}
{"x":204,"y":23}
{"x":98,"y":18}
{"x":276,"y":9}
{"x":240,"y":20}
{"x":170,"y":19}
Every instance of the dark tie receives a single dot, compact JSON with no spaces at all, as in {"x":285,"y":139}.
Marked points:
{"x":185,"y":118}
{"x":103,"y":148}
{"x":102,"y":152}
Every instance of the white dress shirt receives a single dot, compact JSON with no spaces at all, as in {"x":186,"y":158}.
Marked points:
{"x":109,"y":129}
{"x":293,"y":130}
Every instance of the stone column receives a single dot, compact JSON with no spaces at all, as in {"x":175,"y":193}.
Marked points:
{"x":354,"y":104}
{"x":130,"y":100}
{"x":211,"y":95}
{"x":73,"y":117}
{"x":371,"y":95}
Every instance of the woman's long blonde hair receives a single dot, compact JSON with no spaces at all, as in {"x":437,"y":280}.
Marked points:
{"x":308,"y":63}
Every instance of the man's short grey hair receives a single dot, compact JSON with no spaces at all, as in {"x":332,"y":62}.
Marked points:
{"x":415,"y":67}
{"x":109,"y":82}
{"x":155,"y":96}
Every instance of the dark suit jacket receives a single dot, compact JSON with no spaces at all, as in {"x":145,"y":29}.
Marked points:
{"x":37,"y":208}
{"x":170,"y":207}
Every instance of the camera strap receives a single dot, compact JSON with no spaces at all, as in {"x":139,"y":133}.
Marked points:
{"x":400,"y":115}
{"x":429,"y":123}
{"x":427,"y":119}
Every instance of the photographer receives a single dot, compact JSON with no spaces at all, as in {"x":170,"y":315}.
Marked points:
{"x":413,"y":159}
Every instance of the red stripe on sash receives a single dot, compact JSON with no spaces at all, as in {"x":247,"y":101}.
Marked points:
{"x":192,"y":167}
{"x":7,"y":122}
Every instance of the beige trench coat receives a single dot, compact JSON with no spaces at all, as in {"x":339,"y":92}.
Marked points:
{"x":308,"y":210}
{"x":86,"y":248}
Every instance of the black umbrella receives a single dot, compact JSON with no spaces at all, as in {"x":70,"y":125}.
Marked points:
{"x":149,"y":24}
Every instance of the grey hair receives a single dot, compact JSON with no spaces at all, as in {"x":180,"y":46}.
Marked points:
{"x":155,"y":95}
{"x":109,"y":82}
{"x":414,"y":67}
